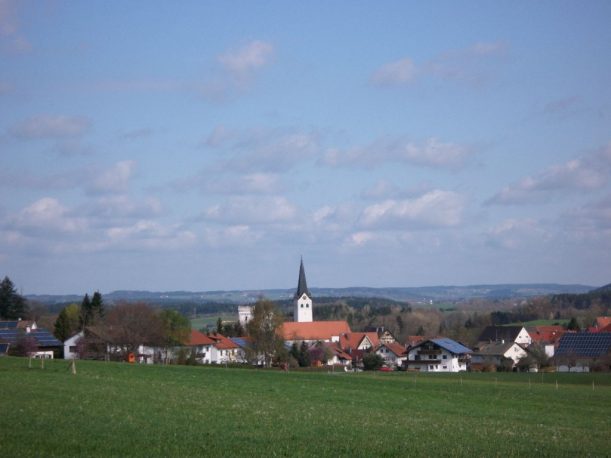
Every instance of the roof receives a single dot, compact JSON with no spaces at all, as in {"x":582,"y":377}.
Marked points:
{"x":242,"y":342}
{"x":395,"y":347}
{"x":12,"y":324}
{"x":495,"y":349}
{"x":302,"y":285}
{"x":414,"y":340}
{"x":199,"y":338}
{"x":337,"y":351}
{"x":221,"y":342}
{"x":447,"y":344}
{"x":353,"y":339}
{"x":496,"y":333}
{"x":549,"y":334}
{"x":313,"y":330}
{"x":585,"y":344}
{"x":43,"y":337}
{"x":603,"y":322}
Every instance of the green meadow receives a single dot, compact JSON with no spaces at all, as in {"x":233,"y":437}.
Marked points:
{"x":117,"y":409}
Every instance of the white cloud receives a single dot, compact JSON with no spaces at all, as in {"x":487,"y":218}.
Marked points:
{"x":248,"y":58}
{"x":146,"y":234}
{"x":431,"y":153}
{"x":11,"y":39}
{"x":47,"y":215}
{"x":516,"y":233}
{"x":113,"y":207}
{"x":588,"y":172}
{"x":436,"y":208}
{"x":396,"y":73}
{"x":51,"y":127}
{"x":233,"y":235}
{"x":244,"y":210}
{"x":113,"y":180}
{"x":466,"y":65}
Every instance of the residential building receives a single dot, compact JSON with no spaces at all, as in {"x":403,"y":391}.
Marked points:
{"x":583,"y":351}
{"x":502,"y":334}
{"x":497,"y":354}
{"x":438,"y":355}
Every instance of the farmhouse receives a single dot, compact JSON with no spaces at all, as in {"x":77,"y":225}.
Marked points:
{"x":497,"y":354}
{"x":517,"y":334}
{"x":438,"y":355}
{"x":393,"y":354}
{"x":547,"y":337}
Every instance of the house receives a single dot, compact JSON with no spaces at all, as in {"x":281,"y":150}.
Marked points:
{"x":517,"y":334}
{"x":362,"y":341}
{"x":546,"y":336}
{"x":70,"y":346}
{"x":215,"y":348}
{"x":438,"y":355}
{"x":46,"y":344}
{"x":497,"y":354}
{"x":313,"y":331}
{"x":583,"y":351}
{"x":602,"y":324}
{"x":393,"y":354}
{"x":412,"y":341}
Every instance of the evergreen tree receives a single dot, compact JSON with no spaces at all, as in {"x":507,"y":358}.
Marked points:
{"x":86,"y":312}
{"x":97,"y":306}
{"x":12,"y":305}
{"x":304,"y":355}
{"x":68,"y":322}
{"x":219,"y":326}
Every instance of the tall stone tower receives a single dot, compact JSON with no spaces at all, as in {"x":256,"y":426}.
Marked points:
{"x":302,"y":301}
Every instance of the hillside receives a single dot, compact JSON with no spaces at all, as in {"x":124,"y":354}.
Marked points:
{"x":407,"y":294}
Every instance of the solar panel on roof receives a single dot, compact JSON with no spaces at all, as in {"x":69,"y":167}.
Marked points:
{"x":584,"y":344}
{"x":8,"y":324}
{"x":452,"y":345}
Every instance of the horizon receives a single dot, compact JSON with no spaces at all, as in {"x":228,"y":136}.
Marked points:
{"x":199,"y":146}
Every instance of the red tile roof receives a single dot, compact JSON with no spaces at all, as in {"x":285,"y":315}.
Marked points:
{"x":199,"y":338}
{"x":352,"y":340}
{"x":221,"y":342}
{"x":414,"y":340}
{"x":546,"y":334}
{"x":396,"y":348}
{"x":313,"y":330}
{"x":603,"y":322}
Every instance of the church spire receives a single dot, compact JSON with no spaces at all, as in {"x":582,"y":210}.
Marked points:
{"x":302,"y":285}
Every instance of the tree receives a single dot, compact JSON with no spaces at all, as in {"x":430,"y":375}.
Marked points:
{"x":304,"y":355}
{"x":176,"y":329}
{"x":573,"y":325}
{"x":97,"y":307}
{"x":68,"y":322}
{"x":86,"y":312}
{"x":129,"y":325}
{"x":263,"y":331}
{"x":12,"y":305}
{"x":372,"y":361}
{"x":219,"y":325}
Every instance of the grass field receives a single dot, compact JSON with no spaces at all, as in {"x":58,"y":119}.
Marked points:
{"x":116,"y":409}
{"x":209,"y":320}
{"x":560,"y":322}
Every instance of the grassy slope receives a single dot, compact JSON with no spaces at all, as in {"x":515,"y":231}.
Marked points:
{"x":118,"y":409}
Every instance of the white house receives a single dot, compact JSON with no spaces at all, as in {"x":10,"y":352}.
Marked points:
{"x":503,"y":334}
{"x":393,"y":353}
{"x":495,"y":352}
{"x":438,"y":355}
{"x":70,"y":350}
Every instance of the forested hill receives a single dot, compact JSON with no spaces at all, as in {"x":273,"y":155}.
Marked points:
{"x":412,"y":294}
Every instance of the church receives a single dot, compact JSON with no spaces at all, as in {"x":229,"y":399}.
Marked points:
{"x":303,"y":328}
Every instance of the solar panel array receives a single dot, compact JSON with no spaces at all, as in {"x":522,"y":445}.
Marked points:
{"x":589,"y":344}
{"x":452,"y":346}
{"x":43,"y":338}
{"x":8,"y":324}
{"x":3,"y":348}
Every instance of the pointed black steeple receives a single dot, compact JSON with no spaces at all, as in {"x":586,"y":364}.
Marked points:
{"x":302,"y":285}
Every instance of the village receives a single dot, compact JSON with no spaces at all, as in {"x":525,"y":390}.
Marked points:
{"x":334,"y":345}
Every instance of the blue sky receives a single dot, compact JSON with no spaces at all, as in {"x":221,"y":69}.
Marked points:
{"x":209,"y":145}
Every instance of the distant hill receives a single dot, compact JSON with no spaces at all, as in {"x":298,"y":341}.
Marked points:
{"x":414,"y":295}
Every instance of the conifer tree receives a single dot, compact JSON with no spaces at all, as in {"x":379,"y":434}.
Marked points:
{"x":12,"y":305}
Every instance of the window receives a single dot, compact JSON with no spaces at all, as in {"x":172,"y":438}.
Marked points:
{"x":72,"y":348}
{"x":301,"y":305}
{"x":445,"y":367}
{"x":445,"y":356}
{"x":431,"y":367}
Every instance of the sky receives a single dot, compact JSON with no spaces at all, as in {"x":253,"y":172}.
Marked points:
{"x":203,"y":146}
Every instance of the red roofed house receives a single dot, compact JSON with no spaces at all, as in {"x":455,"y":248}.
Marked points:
{"x":362,"y":341}
{"x":603,"y":324}
{"x":313,"y":331}
{"x":394,"y":354}
{"x":215,"y":348}
{"x":546,"y":336}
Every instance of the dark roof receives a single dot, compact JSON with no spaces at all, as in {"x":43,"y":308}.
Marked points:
{"x":43,"y":337}
{"x":8,"y":324}
{"x":585,"y":344}
{"x":302,"y":285}
{"x":495,"y":348}
{"x":451,"y":345}
{"x":448,"y":344}
{"x":498,"y":333}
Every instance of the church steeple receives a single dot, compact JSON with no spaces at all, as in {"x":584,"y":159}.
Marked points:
{"x":302,"y":301}
{"x":302,"y":285}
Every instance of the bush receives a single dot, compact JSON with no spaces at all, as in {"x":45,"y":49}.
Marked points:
{"x":372,"y":361}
